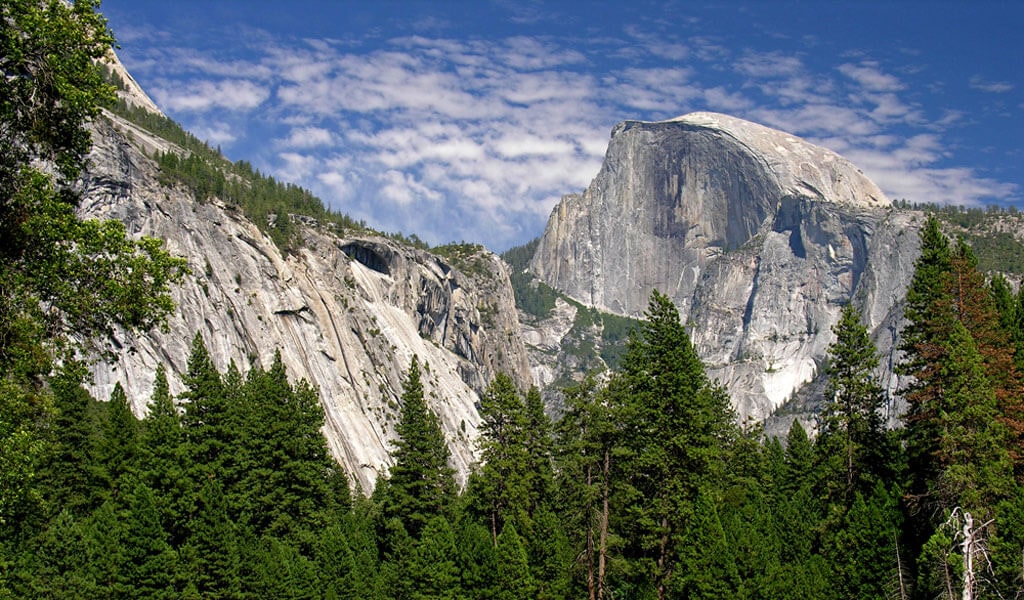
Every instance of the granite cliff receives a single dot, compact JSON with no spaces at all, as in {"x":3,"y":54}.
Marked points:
{"x":346,"y":310}
{"x":758,"y":237}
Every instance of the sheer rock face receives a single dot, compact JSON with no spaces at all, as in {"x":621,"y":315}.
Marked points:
{"x":759,"y":238}
{"x":347,"y":313}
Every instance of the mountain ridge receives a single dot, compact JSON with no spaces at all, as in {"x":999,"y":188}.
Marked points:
{"x":347,"y":310}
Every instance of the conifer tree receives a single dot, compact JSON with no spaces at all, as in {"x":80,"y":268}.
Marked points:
{"x":150,"y":563}
{"x":852,"y":428}
{"x":206,"y":419}
{"x":504,"y":481}
{"x":421,"y":482}
{"x":540,"y":448}
{"x":976,"y":308}
{"x":164,"y":459}
{"x":432,"y":572}
{"x":794,"y":499}
{"x":587,"y":437}
{"x":212,"y":546}
{"x":286,"y":483}
{"x":73,"y":474}
{"x":975,"y":467}
{"x":103,"y":534}
{"x":513,"y":579}
{"x":677,"y":425}
{"x":119,"y":446}
{"x":476,"y":558}
{"x":930,"y":315}
{"x":58,"y":563}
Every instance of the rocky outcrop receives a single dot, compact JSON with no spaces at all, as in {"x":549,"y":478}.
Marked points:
{"x":759,"y":238}
{"x":347,"y":312}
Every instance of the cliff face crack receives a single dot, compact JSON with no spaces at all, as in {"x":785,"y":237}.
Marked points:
{"x":748,"y":311}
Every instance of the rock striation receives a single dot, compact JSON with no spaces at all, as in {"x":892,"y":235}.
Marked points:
{"x":347,"y":312}
{"x":759,"y":237}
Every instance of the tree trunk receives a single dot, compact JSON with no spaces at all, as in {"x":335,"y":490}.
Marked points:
{"x":603,"y":544}
{"x":590,"y":540}
{"x":663,"y":559}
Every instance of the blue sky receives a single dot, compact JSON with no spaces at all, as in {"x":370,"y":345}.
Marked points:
{"x":460,"y":120}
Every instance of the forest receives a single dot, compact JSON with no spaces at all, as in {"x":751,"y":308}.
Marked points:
{"x":646,"y":487}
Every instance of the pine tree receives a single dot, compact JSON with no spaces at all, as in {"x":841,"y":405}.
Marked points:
{"x":421,"y":482}
{"x":677,"y":424}
{"x":150,"y":563}
{"x":119,"y":446}
{"x":709,"y":565}
{"x":513,"y":580}
{"x":476,"y":559}
{"x":206,"y":419}
{"x":930,"y":316}
{"x":796,"y":507}
{"x":586,"y":441}
{"x":976,"y":308}
{"x":540,"y":448}
{"x":432,"y":571}
{"x":58,"y":562}
{"x":504,"y":480}
{"x":852,"y":428}
{"x":861,"y":547}
{"x":73,"y":473}
{"x":975,"y":467}
{"x":164,"y":460}
{"x":213,"y":546}
{"x":285,"y":473}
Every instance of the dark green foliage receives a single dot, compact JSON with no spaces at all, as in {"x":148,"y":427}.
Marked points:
{"x":587,"y":438}
{"x":862,"y":545}
{"x":279,"y":570}
{"x":475,"y":558}
{"x":286,"y":477}
{"x":163,"y":455}
{"x":513,"y":580}
{"x":852,"y":428}
{"x":972,"y":454}
{"x":150,"y":563}
{"x":119,"y":446}
{"x":213,"y":546}
{"x":75,"y":479}
{"x":533,"y":297}
{"x":432,"y":571}
{"x":421,"y":483}
{"x":207,"y":419}
{"x":675,"y":424}
{"x":504,"y":487}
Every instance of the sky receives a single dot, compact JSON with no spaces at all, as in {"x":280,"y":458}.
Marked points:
{"x":468,"y":120}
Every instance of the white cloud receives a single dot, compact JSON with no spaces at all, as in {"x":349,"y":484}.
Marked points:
{"x":201,"y":96}
{"x":993,"y":87}
{"x":215,"y":134}
{"x":870,"y":76}
{"x":478,"y":138}
{"x":769,"y":65}
{"x":297,"y":166}
{"x":308,"y":137}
